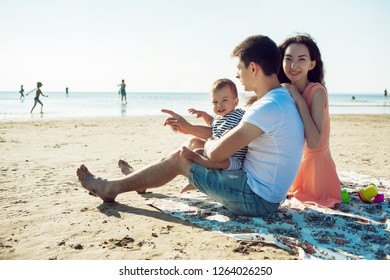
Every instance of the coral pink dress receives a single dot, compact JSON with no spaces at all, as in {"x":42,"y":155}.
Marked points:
{"x":317,"y":181}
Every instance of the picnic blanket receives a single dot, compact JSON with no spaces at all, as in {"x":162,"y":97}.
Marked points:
{"x":353,"y":230}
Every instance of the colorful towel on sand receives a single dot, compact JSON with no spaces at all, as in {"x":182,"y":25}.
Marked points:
{"x":353,"y":230}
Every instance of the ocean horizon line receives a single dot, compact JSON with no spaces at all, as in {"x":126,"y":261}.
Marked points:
{"x":181,"y":92}
{"x":96,"y":104}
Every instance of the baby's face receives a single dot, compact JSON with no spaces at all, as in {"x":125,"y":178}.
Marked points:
{"x":223,"y":101}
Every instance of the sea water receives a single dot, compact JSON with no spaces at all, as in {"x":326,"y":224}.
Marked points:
{"x":359,"y":103}
{"x":99,"y":104}
{"x":108,"y":104}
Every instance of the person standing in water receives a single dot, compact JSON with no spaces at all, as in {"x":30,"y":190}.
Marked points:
{"x":67,"y":91}
{"x":21,"y":91}
{"x":122,"y":91}
{"x":38,"y":92}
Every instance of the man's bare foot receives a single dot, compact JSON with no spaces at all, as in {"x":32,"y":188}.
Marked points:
{"x":94,"y":185}
{"x":187,"y":188}
{"x":126,"y":169}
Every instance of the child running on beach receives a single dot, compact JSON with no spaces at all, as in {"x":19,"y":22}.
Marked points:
{"x":317,"y":181}
{"x":224,"y":99}
{"x":38,"y":92}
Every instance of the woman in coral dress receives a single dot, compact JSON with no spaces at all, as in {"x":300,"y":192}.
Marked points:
{"x":317,"y":181}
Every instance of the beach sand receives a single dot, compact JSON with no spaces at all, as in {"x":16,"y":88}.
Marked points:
{"x":46,"y":214}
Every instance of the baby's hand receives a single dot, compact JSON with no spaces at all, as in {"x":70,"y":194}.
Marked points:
{"x":198,"y":113}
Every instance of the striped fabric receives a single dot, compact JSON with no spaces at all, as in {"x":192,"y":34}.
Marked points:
{"x":221,"y":124}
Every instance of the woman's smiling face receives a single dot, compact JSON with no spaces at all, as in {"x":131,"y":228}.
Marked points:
{"x":297,"y":62}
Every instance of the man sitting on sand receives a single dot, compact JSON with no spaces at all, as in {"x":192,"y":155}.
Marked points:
{"x":271,"y":128}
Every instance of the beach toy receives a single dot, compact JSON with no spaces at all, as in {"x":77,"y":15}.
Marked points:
{"x":380,"y":197}
{"x":344,"y":196}
{"x":368,"y":193}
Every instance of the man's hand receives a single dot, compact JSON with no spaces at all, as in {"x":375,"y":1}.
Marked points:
{"x":177,"y":122}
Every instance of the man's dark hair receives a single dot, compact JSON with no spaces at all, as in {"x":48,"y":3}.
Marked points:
{"x":260,"y":50}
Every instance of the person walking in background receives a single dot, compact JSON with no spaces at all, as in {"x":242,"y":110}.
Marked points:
{"x":385,"y":93}
{"x":21,"y":91}
{"x":317,"y":181}
{"x":38,"y":93}
{"x":122,"y":91}
{"x":67,"y":91}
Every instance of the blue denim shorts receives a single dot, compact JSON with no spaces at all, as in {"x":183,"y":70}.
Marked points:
{"x":230,"y":188}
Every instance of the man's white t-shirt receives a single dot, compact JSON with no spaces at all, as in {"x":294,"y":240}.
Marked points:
{"x":273,"y":158}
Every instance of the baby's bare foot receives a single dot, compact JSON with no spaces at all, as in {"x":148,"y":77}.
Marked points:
{"x":187,"y":153}
{"x":97,"y":186}
{"x":126,"y":169}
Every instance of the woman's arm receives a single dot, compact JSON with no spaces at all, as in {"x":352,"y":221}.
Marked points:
{"x":312,"y":118}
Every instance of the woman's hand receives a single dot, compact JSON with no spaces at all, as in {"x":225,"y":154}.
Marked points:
{"x":295,"y":94}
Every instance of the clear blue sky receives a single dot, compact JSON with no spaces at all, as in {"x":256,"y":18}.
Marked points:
{"x":179,"y":45}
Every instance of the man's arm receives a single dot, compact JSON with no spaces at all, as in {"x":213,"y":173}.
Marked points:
{"x":236,"y":139}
